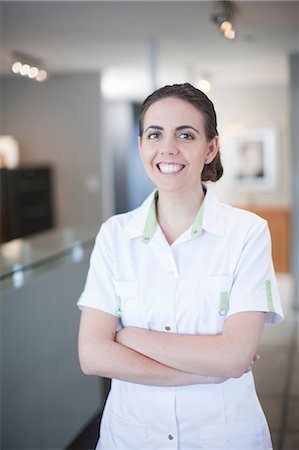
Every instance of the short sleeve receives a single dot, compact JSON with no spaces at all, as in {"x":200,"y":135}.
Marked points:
{"x":99,"y":291}
{"x":255,"y":286}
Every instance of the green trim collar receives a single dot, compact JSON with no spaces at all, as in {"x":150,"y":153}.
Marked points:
{"x":197,"y":225}
{"x":151,"y":221}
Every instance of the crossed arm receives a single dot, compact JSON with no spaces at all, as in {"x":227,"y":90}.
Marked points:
{"x":164,"y":359}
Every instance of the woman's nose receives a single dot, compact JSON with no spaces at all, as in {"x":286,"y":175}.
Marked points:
{"x":168,"y":147}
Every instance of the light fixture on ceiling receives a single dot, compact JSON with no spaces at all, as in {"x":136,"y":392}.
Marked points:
{"x":203,"y":80}
{"x":27,"y":66}
{"x":224,"y":18}
{"x":204,"y":83}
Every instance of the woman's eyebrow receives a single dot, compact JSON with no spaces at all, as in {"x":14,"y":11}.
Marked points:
{"x":183,"y":127}
{"x":155,"y":127}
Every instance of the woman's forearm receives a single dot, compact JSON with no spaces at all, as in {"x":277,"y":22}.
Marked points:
{"x":100,"y":355}
{"x":179,"y":352}
{"x":112,"y":360}
{"x":227,"y":355}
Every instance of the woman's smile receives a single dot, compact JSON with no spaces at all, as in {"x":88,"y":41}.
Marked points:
{"x":170,"y":168}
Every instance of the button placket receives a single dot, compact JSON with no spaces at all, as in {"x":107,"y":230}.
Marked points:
{"x":169,"y":282}
{"x":170,"y":263}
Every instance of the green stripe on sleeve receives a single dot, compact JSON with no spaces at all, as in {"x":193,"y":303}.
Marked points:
{"x":224,"y":303}
{"x":118,"y":304}
{"x":269,"y":295}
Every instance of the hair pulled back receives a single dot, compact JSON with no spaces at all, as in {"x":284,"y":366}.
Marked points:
{"x":188,"y":93}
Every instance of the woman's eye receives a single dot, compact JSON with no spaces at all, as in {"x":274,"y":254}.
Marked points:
{"x":186,"y":136}
{"x":153,"y":135}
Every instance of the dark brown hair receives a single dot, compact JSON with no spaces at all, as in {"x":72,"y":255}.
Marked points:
{"x":188,"y":93}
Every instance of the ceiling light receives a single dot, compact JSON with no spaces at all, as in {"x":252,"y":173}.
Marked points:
{"x":25,"y":69}
{"x":27,"y":66}
{"x":230,"y":34}
{"x":224,"y":18}
{"x":204,"y":85}
{"x":33,"y":72}
{"x":226,"y":25}
{"x":42,"y":75}
{"x":16,"y":67}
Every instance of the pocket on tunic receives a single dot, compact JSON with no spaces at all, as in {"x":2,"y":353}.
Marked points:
{"x":120,"y":433}
{"x":126,"y":302}
{"x":245,"y":435}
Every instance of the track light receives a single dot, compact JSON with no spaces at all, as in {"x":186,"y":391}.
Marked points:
{"x":27,"y":66}
{"x":224,"y":18}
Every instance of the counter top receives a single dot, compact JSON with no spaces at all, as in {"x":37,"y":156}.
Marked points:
{"x":32,"y":251}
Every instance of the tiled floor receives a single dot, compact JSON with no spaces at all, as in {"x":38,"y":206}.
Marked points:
{"x":276,"y":375}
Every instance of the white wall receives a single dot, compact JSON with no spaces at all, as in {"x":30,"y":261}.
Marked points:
{"x":58,"y":122}
{"x":249,"y":108}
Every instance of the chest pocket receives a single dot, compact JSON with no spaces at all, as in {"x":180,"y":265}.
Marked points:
{"x":126,"y":302}
{"x":216,"y":297}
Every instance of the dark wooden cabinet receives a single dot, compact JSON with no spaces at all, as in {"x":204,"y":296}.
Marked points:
{"x":26,"y":201}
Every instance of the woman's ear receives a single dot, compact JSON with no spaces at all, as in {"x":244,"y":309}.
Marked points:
{"x":213,"y":148}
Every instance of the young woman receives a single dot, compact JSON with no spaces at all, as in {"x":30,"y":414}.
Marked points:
{"x":177,"y":295}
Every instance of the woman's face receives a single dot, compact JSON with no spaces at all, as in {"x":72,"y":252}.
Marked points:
{"x":174,"y":147}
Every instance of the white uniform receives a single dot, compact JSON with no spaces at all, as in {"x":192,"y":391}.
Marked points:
{"x":220,"y":266}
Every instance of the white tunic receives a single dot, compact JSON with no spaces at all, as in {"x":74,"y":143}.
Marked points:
{"x":220,"y":266}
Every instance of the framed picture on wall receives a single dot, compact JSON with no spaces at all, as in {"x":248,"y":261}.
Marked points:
{"x":255,"y":159}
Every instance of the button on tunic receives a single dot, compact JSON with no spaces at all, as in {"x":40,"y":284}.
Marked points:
{"x":220,"y":266}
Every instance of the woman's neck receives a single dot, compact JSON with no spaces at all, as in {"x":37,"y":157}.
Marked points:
{"x":176,"y":212}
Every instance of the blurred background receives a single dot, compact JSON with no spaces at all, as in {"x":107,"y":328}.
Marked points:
{"x":73,"y":75}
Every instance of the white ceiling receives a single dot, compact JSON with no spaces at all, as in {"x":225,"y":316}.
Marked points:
{"x":115,"y":38}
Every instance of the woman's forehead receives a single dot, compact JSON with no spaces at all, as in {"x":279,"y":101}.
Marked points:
{"x":173,"y":109}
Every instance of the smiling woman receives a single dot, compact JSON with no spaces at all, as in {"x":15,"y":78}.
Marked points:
{"x":177,"y":295}
{"x":177,"y":146}
{"x":213,"y":169}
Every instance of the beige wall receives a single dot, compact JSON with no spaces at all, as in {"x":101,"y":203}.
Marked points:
{"x":58,"y":123}
{"x":248,"y":108}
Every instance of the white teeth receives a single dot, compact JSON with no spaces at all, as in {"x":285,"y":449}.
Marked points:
{"x":170,"y":168}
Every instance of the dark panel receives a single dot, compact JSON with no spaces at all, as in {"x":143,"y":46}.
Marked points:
{"x":26,"y":201}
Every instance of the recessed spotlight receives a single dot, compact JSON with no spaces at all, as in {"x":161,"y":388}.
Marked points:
{"x":204,"y":85}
